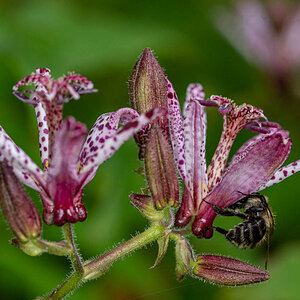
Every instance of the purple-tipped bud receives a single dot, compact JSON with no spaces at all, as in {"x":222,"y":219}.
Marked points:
{"x":145,"y":205}
{"x":148,"y":89}
{"x":20,"y":212}
{"x":160,"y":170}
{"x":227,"y":271}
{"x":184,"y":258}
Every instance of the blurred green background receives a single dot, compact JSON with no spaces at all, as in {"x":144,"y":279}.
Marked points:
{"x":102,"y":41}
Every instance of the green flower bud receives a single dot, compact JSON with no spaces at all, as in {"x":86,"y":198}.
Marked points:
{"x":184,"y":257}
{"x":160,"y":169}
{"x":148,"y":89}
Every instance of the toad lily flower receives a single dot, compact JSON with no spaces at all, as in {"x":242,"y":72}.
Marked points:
{"x":48,"y":98}
{"x":74,"y":161}
{"x":71,"y":160}
{"x":254,"y":166}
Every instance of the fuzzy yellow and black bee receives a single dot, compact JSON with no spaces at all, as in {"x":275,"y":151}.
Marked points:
{"x":257,"y":224}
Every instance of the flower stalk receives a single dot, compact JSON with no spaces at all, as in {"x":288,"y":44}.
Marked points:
{"x":98,"y":266}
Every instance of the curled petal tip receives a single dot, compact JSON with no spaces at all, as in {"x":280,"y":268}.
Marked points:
{"x":225,"y":109}
{"x":270,"y":124}
{"x":207,"y":102}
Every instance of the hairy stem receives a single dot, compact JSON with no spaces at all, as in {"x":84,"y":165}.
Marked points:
{"x":98,"y":266}
{"x":74,"y":256}
{"x":140,"y":240}
{"x":61,"y":248}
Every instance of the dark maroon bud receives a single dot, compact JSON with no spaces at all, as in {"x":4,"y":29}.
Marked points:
{"x":19,"y":210}
{"x":227,"y":271}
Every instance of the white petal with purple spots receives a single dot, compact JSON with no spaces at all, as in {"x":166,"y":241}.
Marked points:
{"x":17,"y":158}
{"x":43,"y":133}
{"x":107,"y":146}
{"x":282,"y":174}
{"x":194,"y":150}
{"x":103,"y":129}
{"x":176,"y":130}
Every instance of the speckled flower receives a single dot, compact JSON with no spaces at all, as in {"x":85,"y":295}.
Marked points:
{"x":75,"y":159}
{"x":48,"y":98}
{"x":71,"y":159}
{"x":253,"y":167}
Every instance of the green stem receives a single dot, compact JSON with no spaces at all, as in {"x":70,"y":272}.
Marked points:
{"x":104,"y":261}
{"x":61,"y":248}
{"x":98,"y":266}
{"x":74,"y":256}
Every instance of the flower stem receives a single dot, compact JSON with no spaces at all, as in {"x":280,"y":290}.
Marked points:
{"x":74,"y":256}
{"x":98,"y":266}
{"x":105,"y":260}
{"x":61,"y":248}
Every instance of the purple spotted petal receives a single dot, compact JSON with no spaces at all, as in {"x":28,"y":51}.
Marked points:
{"x":247,"y":144}
{"x":282,"y":174}
{"x":26,"y":170}
{"x":248,"y":170}
{"x":24,"y":98}
{"x":52,"y":94}
{"x":103,"y":129}
{"x":41,"y":77}
{"x":176,"y":130}
{"x":26,"y":179}
{"x":43,"y":133}
{"x":195,"y":92}
{"x":108,"y":146}
{"x":63,"y":183}
{"x":235,"y":118}
{"x":194,"y":150}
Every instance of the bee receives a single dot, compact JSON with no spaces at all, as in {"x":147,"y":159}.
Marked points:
{"x":257,"y":225}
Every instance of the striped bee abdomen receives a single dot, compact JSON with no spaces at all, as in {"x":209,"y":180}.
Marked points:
{"x":248,"y":234}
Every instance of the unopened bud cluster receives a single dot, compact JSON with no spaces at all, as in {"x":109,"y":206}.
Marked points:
{"x":148,"y":89}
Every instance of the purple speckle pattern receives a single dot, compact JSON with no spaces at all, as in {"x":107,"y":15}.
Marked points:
{"x":235,"y":118}
{"x":52,"y":94}
{"x":105,"y":138}
{"x":195,"y":125}
{"x":26,"y":170}
{"x":103,"y":129}
{"x":43,"y":132}
{"x":282,"y":174}
{"x":61,"y":90}
{"x":188,"y":136}
{"x":176,"y":130}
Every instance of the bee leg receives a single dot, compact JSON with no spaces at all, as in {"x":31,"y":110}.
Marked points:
{"x":221,"y":211}
{"x":227,"y":212}
{"x":221,"y":230}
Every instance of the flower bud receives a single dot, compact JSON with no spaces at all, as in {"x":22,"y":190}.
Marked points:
{"x":145,"y":205}
{"x":184,"y":258}
{"x":227,"y":271}
{"x":148,"y":89}
{"x":160,"y":169}
{"x":20,"y":212}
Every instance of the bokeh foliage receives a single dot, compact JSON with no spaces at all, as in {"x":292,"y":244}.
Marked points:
{"x":102,"y":40}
